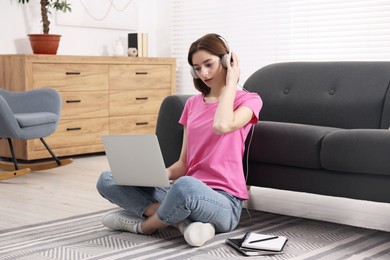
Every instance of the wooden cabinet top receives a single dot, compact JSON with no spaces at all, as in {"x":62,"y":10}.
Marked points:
{"x":31,"y":58}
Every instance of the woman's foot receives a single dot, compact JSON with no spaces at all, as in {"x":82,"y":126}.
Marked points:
{"x":197,"y":233}
{"x":122,"y":221}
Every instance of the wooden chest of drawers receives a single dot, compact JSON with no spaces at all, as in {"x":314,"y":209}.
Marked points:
{"x":100,"y":95}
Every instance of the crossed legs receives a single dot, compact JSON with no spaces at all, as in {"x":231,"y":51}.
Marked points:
{"x":187,"y":200}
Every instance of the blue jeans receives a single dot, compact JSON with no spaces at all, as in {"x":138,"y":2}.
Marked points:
{"x":187,"y":198}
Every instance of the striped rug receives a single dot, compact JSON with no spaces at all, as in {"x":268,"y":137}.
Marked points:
{"x":84,"y":237}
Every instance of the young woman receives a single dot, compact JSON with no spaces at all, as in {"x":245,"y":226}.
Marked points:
{"x":208,"y":180}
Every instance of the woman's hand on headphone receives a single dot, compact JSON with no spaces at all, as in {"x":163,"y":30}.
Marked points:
{"x":233,"y":70}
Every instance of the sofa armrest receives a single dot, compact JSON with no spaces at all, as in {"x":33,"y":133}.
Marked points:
{"x":168,"y":130}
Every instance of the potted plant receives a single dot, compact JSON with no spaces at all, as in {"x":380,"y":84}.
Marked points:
{"x":47,"y":43}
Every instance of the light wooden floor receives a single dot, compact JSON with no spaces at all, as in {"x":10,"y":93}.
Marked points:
{"x":70,"y":190}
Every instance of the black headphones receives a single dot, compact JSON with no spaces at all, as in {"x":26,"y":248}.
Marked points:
{"x":223,"y":58}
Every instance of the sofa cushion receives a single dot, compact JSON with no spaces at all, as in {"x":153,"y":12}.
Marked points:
{"x":357,"y":151}
{"x":288,"y":144}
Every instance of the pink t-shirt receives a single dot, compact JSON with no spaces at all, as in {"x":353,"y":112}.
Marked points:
{"x":217,"y":159}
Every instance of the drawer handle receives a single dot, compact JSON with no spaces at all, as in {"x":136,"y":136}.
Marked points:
{"x":141,"y":123}
{"x":73,"y":73}
{"x":141,"y":73}
{"x":73,"y":101}
{"x":73,"y":129}
{"x":141,"y":98}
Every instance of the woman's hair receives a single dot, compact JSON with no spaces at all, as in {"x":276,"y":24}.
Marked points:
{"x":212,"y":43}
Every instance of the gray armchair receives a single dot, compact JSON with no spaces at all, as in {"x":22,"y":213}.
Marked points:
{"x":28,"y":115}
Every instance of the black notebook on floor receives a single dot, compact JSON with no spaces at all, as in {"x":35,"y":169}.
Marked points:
{"x":236,"y":243}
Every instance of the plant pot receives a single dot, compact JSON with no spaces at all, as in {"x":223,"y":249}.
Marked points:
{"x":44,"y":43}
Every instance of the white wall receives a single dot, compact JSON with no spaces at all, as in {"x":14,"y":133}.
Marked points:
{"x":18,"y":20}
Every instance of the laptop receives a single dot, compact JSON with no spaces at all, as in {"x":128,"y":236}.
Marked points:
{"x":136,"y":160}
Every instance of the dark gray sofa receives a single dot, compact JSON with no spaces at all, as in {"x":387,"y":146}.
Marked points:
{"x":324,"y":129}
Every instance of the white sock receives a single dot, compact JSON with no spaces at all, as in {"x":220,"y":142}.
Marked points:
{"x":138,"y":228}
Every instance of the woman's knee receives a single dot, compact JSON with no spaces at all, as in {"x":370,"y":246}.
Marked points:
{"x":186,"y":188}
{"x":104,"y":182}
